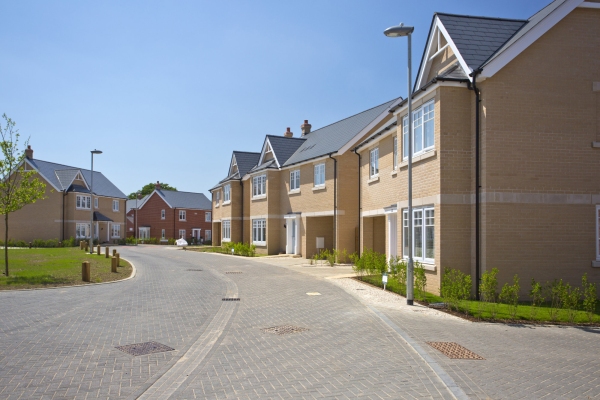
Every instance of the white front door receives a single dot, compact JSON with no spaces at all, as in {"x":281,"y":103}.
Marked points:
{"x":392,"y":235}
{"x":292,"y":236}
{"x":196,"y":234}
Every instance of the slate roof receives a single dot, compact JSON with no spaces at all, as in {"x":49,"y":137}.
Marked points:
{"x":245,"y":161}
{"x":332,"y":137}
{"x":197,"y":201}
{"x":378,"y":133}
{"x":102,"y":186}
{"x":130,"y":204}
{"x":266,"y":165}
{"x":284,"y":147}
{"x":478,"y":38}
{"x":98,"y":216}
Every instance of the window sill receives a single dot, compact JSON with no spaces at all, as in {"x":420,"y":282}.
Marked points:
{"x":426,"y":266}
{"x":596,"y":264}
{"x":259,"y":243}
{"x":373,"y":179}
{"x":394,"y":172}
{"x":217,"y":205}
{"x":183,"y":220}
{"x":261,"y":197}
{"x":420,"y":157}
{"x":226,"y":240}
{"x":317,"y":188}
{"x":295,"y":191}
{"x":226,"y":202}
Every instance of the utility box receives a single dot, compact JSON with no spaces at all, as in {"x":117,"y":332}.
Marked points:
{"x":320,"y":243}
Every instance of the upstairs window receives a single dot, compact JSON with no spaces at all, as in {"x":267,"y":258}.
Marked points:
{"x":95,"y":202}
{"x":182,"y":215}
{"x":259,"y":186}
{"x":320,"y":175}
{"x":395,"y":152}
{"x":83,"y":202}
{"x":226,"y":193}
{"x":295,"y":180}
{"x":374,"y":163}
{"x":208,"y":216}
{"x":115,"y":205}
{"x":423,"y":130}
{"x":163,"y":215}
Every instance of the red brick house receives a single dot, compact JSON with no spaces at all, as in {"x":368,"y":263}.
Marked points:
{"x":166,"y":214}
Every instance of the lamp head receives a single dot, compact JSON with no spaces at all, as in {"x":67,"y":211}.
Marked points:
{"x":96,"y":151}
{"x":398,"y":31}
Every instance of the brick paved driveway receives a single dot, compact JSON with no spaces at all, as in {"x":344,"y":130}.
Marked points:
{"x":60,"y":343}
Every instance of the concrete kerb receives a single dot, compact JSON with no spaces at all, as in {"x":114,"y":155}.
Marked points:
{"x":133,"y":272}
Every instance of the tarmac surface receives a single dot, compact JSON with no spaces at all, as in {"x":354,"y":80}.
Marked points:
{"x":348,"y":339}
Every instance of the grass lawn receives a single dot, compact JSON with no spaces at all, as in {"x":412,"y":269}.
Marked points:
{"x":476,"y":310}
{"x":35,"y":268}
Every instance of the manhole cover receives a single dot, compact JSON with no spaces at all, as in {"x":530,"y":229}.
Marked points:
{"x":233,"y":272}
{"x":231,"y":299}
{"x":284,"y":329}
{"x":140,"y":349}
{"x":194,"y":270}
{"x":455,"y":350}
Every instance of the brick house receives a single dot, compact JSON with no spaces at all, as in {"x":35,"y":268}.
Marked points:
{"x":301,"y":194}
{"x":506,"y":117}
{"x":67,"y":208}
{"x":167,"y":214}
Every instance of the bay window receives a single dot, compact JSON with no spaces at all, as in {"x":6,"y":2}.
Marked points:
{"x":83,"y":202}
{"x":423,"y":234}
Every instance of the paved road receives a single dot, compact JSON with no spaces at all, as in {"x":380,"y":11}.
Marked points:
{"x":60,"y":343}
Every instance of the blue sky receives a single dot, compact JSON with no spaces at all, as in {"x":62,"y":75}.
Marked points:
{"x":167,"y":89}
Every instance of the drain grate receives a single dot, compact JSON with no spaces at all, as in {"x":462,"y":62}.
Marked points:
{"x":231,"y":299}
{"x":234,"y":272}
{"x":193,"y":270}
{"x":455,"y":350}
{"x":141,"y":349}
{"x":284,"y":329}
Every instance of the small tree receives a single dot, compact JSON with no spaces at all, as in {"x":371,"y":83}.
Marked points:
{"x":510,"y":296}
{"x":589,"y":297}
{"x":17,"y":186}
{"x":149,"y":188}
{"x":488,"y":289}
{"x":537,"y":297}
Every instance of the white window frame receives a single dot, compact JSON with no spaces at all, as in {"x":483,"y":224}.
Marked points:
{"x":96,"y":202}
{"x":374,"y":163}
{"x":259,"y":232}
{"x":218,"y":198}
{"x":208,"y":216}
{"x":115,"y":230}
{"x":82,"y":228}
{"x":115,"y":205}
{"x":423,"y":118}
{"x":426,"y":215}
{"x":319,"y":173}
{"x":395,"y":154}
{"x":294,"y":180}
{"x":163,"y":214}
{"x":259,"y":186}
{"x":182,"y":234}
{"x":227,"y":194}
{"x":598,"y":232}
{"x":226,"y":230}
{"x":182,"y":215}
{"x":83,"y":202}
{"x":207,"y":235}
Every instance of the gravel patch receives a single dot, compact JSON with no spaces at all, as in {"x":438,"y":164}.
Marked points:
{"x":386,"y":299}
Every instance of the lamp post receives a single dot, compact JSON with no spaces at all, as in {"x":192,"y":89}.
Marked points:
{"x":400,"y":31}
{"x":137,"y":197}
{"x":92,"y":204}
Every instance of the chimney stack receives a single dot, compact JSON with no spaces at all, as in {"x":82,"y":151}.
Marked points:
{"x":305,"y":127}
{"x":157,"y":185}
{"x":288,"y":133}
{"x":29,"y":152}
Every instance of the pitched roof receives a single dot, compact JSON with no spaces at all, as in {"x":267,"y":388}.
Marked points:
{"x":102,"y":186}
{"x":175,"y":199}
{"x":333,"y":137}
{"x":478,"y":38}
{"x":269,"y":164}
{"x":98,"y":216}
{"x":131,"y":203}
{"x":380,"y":132}
{"x":245,"y":161}
{"x":284,"y":147}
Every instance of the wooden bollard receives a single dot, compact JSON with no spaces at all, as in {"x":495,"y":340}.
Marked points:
{"x":86,"y":271}
{"x":118,"y":260}
{"x":98,"y":250}
{"x":113,"y":265}
{"x":81,"y":245}
{"x":29,"y":244}
{"x":114,"y":252}
{"x":87,"y":247}
{"x":106,"y":252}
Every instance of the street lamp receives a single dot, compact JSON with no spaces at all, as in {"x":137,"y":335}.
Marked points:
{"x":137,"y":197}
{"x":92,"y":204}
{"x":399,"y":31}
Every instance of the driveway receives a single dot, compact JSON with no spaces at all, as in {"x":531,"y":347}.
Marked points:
{"x":61,"y":343}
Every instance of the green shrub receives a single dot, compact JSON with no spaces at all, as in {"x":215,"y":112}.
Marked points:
{"x":455,"y":288}
{"x":398,"y":271}
{"x":488,"y":290}
{"x":130,"y":240}
{"x":70,"y":242}
{"x":570,"y":301}
{"x":537,"y":298}
{"x":420,"y":281}
{"x":510,"y":296}
{"x":554,"y":292}
{"x":589,"y":297}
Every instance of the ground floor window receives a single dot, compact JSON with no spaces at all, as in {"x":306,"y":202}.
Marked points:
{"x":423,"y":220}
{"x":182,"y":234}
{"x":82,"y":231}
{"x":116,"y":230}
{"x":226,"y":230}
{"x":259,"y":231}
{"x":207,"y":235}
{"x":162,"y":234}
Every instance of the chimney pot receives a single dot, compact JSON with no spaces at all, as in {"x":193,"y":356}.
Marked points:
{"x":305,"y":127}
{"x":157,"y":185}
{"x":29,"y":152}
{"x":288,"y":133}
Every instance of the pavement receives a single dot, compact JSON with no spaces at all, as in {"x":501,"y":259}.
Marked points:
{"x":358,"y":341}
